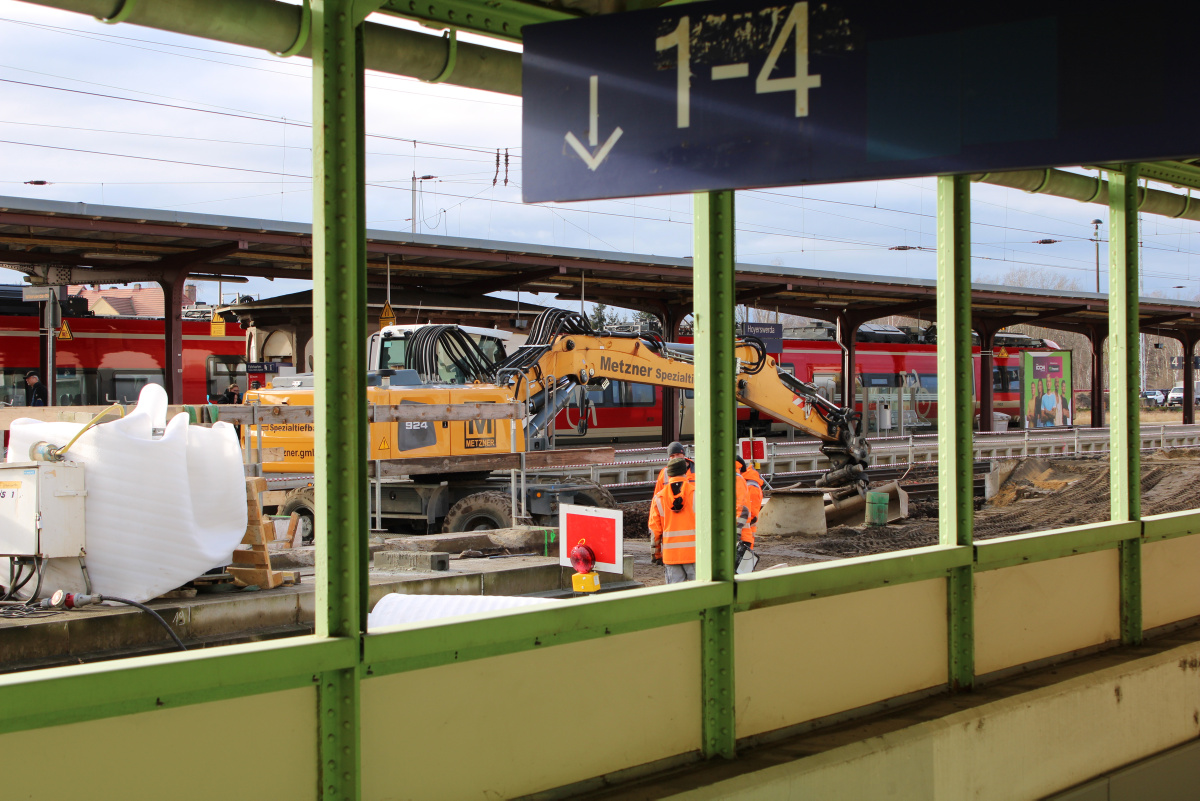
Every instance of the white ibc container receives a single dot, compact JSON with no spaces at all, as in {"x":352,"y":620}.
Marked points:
{"x":160,"y":511}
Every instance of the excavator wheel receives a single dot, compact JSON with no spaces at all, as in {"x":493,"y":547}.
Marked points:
{"x":304,"y":502}
{"x":590,"y":494}
{"x":479,"y":512}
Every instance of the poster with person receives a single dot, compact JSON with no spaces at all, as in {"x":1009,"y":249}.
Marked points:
{"x":1046,"y":396}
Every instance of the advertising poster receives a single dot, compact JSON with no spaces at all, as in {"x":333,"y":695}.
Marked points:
{"x":1046,"y":394}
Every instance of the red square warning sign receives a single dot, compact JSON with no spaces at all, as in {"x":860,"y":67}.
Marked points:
{"x":599,"y":529}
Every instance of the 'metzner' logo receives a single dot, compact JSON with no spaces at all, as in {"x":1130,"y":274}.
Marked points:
{"x":607,"y":365}
{"x":480,"y":434}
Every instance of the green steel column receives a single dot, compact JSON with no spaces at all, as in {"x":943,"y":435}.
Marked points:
{"x":716,"y":426}
{"x":339,"y":326}
{"x":1123,"y":370}
{"x":955,"y":413}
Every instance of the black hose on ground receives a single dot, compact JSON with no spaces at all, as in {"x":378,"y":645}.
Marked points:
{"x":153,"y":614}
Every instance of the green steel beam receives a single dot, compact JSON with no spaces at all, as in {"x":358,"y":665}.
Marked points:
{"x":494,"y":634}
{"x":1094,"y":189}
{"x":1178,"y":173}
{"x":802,"y":583}
{"x":57,"y":696}
{"x":1125,"y":458}
{"x":955,"y":414}
{"x":339,"y":287}
{"x":502,"y":19}
{"x":1026,"y":548}
{"x":713,"y":258}
{"x":1170,"y":526}
{"x":279,"y":27}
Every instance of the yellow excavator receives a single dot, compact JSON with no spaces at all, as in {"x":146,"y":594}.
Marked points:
{"x":562,"y":357}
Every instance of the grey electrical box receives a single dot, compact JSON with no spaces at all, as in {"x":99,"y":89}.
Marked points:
{"x":41,"y":509}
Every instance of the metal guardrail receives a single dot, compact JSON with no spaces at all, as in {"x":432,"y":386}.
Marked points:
{"x":803,"y":457}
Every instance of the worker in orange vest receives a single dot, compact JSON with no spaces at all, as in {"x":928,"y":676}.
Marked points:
{"x":674,"y":450}
{"x":673,"y":523}
{"x":741,"y":498}
{"x":754,"y":486}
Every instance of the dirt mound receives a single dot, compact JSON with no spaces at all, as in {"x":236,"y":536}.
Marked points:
{"x":847,"y":541}
{"x":636,"y":523}
{"x":1032,"y":478}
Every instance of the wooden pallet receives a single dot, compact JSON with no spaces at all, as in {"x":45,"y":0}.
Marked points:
{"x":253,"y":566}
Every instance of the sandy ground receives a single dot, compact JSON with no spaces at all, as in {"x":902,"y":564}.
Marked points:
{"x":1038,"y":495}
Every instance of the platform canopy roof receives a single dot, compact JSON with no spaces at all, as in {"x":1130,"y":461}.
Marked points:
{"x":76,"y":243}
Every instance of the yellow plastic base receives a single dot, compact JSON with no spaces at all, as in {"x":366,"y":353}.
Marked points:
{"x":585,"y":582}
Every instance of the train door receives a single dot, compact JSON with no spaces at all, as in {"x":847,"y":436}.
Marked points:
{"x":221,"y":371}
{"x":827,"y":381}
{"x":688,"y":428}
{"x":882,"y":408}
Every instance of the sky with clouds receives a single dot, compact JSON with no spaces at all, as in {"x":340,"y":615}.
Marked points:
{"x":157,"y":120}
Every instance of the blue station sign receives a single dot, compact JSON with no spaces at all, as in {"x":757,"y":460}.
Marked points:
{"x":729,"y":94}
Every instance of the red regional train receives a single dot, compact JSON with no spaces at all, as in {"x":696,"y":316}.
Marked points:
{"x":895,"y":381}
{"x":110,"y":359}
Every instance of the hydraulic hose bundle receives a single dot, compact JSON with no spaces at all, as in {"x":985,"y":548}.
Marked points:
{"x":432,"y":346}
{"x":554,"y":322}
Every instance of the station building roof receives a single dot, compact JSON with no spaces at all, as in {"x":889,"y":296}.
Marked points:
{"x":79,"y":243}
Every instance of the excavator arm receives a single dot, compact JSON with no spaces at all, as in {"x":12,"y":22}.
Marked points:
{"x":544,"y":374}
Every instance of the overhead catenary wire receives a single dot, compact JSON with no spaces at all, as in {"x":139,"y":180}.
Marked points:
{"x":245,"y":116}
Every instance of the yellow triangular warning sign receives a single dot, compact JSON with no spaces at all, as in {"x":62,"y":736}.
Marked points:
{"x":387,"y":316}
{"x":64,"y":333}
{"x":1002,"y":353}
{"x":383,"y":444}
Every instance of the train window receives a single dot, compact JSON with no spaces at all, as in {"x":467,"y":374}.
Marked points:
{"x":124,"y":386}
{"x":828,"y":384}
{"x":77,"y":387}
{"x":1006,"y":379}
{"x":603,"y":396}
{"x":875,"y":380}
{"x":929,"y":382}
{"x":12,"y":386}
{"x":222,"y":371}
{"x":72,"y":387}
{"x":641,"y":394}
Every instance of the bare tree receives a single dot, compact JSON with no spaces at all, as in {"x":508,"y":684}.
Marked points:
{"x":1079,"y":345}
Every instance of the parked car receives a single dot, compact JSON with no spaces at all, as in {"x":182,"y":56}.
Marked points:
{"x":1153,"y":397}
{"x":1176,"y":396}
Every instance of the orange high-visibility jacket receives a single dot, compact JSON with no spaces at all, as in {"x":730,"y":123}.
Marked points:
{"x":675,"y":530}
{"x":662,"y":476}
{"x":743,"y":501}
{"x":754,"y":485}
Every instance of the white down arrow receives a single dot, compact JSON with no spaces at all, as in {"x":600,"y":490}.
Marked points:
{"x":594,"y":161}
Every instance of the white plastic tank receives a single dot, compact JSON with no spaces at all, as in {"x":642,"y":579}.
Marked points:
{"x":160,"y":510}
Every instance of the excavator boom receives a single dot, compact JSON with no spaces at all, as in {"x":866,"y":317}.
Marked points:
{"x":540,"y":375}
